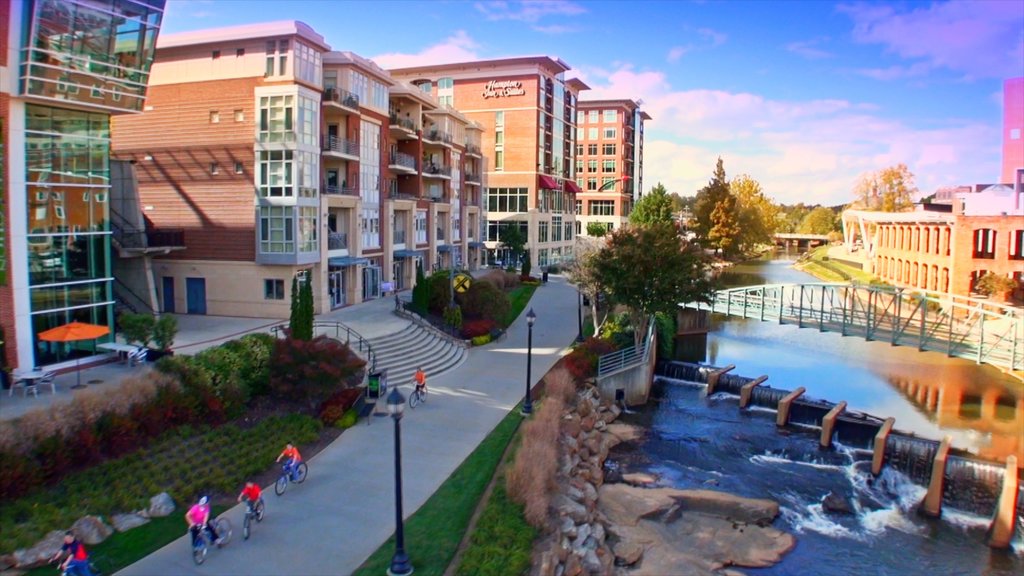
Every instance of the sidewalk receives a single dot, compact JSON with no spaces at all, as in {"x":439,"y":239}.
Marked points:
{"x":345,"y":510}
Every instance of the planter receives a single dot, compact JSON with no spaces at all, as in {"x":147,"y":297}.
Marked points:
{"x":154,"y":355}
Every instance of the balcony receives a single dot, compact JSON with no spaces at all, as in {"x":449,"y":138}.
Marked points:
{"x":472,"y":179}
{"x":342,"y":99}
{"x":340,"y":147}
{"x":398,"y":237}
{"x":344,"y":190}
{"x":431,"y":170}
{"x":402,"y":128}
{"x":473,"y":150}
{"x":402,"y":162}
{"x":440,"y":235}
{"x":337,"y":240}
{"x":437,"y":137}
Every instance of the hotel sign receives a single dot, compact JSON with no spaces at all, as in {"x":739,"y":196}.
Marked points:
{"x":503,"y":88}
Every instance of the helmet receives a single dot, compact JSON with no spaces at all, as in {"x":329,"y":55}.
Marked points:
{"x":203,"y":500}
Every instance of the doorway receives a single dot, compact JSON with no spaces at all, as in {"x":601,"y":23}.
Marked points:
{"x":371,"y":282}
{"x":168,"y":294}
{"x":397,"y":279}
{"x":337,"y":288}
{"x":195,"y":295}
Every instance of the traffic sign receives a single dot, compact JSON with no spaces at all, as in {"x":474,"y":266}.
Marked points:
{"x":461,"y":283}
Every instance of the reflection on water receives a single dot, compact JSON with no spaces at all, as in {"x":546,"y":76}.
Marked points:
{"x":928,"y":394}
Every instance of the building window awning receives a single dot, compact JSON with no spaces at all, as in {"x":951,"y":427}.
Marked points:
{"x":444,"y":247}
{"x":571,"y":186}
{"x":342,"y":261}
{"x":547,"y":182}
{"x":407,"y":253}
{"x":476,"y":244}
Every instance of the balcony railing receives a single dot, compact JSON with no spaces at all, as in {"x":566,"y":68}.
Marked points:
{"x":435,"y":135}
{"x":404,"y":160}
{"x":337,"y":240}
{"x":471,"y":177}
{"x":340,"y":145}
{"x":345,"y":189}
{"x":406,"y":123}
{"x":472,"y":148}
{"x":399,"y":236}
{"x":437,"y":169}
{"x":129,"y":237}
{"x":343,"y":97}
{"x":440,"y":234}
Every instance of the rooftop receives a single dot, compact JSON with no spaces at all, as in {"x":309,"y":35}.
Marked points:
{"x":243,"y":32}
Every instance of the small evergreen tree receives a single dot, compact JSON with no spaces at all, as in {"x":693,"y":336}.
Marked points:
{"x":295,"y":317}
{"x":526,"y":263}
{"x":306,"y":303}
{"x":421,"y":291}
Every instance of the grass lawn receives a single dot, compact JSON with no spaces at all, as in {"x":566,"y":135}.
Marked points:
{"x":821,"y":267}
{"x":433,"y":533}
{"x":126,"y":548}
{"x":518,"y":298}
{"x":502,"y":543}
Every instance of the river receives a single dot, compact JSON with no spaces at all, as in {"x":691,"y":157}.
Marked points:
{"x":707,"y":442}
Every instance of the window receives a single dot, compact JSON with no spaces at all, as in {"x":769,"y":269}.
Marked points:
{"x":307,"y":63}
{"x":579,"y":116}
{"x":592,"y":149}
{"x":420,"y":224}
{"x":507,"y":199}
{"x":606,"y":184}
{"x":609,"y":133}
{"x":214,"y":168}
{"x":499,"y":138}
{"x":273,"y":289}
{"x":610,"y":116}
{"x":591,"y":165}
{"x":239,"y":168}
{"x":499,"y":160}
{"x":985,"y":243}
{"x":499,"y":118}
{"x":591,"y":183}
{"x":1017,"y":245}
{"x":591,"y":133}
{"x":542,"y":231}
{"x":556,"y":228}
{"x":239,"y":52}
{"x":214,"y":117}
{"x":579,"y":166}
{"x":276,"y":173}
{"x":277,"y":53}
{"x":602,"y":207}
{"x":608,"y":149}
{"x":307,"y":229}
{"x":239,"y":116}
{"x":579,"y":149}
{"x":216,"y":54}
{"x":593,"y":116}
{"x":579,"y":207}
{"x":277,"y":115}
{"x":277,"y":229}
{"x":608,"y":166}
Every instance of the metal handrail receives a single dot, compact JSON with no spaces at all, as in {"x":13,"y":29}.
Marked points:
{"x":425,"y":324}
{"x":402,"y":159}
{"x":627,"y":357}
{"x":362,"y":343}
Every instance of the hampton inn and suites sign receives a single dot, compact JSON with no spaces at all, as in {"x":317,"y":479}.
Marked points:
{"x":502,"y":88}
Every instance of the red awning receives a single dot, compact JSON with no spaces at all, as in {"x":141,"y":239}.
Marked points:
{"x":571,"y":186}
{"x":548,"y":183}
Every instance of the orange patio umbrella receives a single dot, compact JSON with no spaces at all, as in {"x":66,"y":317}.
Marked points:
{"x":74,"y":332}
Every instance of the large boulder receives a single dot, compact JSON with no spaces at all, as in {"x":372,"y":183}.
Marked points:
{"x":125,"y":522}
{"x":91,"y":530}
{"x":836,"y":504}
{"x":160,"y":505}
{"x":627,"y":552}
{"x":41,"y":552}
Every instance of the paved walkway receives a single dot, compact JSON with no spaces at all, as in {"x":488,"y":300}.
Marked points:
{"x":345,"y":510}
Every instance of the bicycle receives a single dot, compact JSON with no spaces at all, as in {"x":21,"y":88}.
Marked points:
{"x":418,"y":396}
{"x":251,"y":512}
{"x":93,"y":570}
{"x":298,"y":475}
{"x":202,"y":543}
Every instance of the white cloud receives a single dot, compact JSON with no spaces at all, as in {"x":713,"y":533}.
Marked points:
{"x":981,"y":38}
{"x":896,"y":72}
{"x":702,"y":39}
{"x":676,"y":53}
{"x":554,"y":29}
{"x":810,"y":49}
{"x":528,"y":10}
{"x":800,"y":150}
{"x":459,"y":47}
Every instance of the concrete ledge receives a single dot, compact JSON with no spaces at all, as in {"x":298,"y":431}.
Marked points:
{"x":713,"y":378}
{"x":782,"y":411}
{"x":932,"y":504}
{"x":748,"y":389}
{"x":828,"y":424}
{"x":878,"y":457}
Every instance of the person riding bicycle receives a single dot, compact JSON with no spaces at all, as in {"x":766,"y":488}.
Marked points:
{"x":292,"y":454}
{"x":252,"y":494}
{"x":77,"y":562}
{"x":420,"y":378}
{"x":198,"y":517}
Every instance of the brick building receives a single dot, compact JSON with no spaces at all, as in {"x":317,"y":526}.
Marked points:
{"x":609,"y":161}
{"x":278,"y":158}
{"x":527,"y":109}
{"x":66,"y":67}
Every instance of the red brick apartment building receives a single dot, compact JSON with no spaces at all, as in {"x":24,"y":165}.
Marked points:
{"x":947,"y":250}
{"x":609,"y":161}
{"x":527,"y":109}
{"x":277,"y":158}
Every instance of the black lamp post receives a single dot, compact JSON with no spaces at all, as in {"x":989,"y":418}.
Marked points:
{"x":579,"y":314}
{"x":530,"y":319}
{"x":400,"y":565}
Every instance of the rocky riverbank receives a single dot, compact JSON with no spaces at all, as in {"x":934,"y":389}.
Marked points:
{"x":608,"y":523}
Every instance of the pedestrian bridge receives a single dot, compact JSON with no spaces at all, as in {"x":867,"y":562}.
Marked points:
{"x":971,"y":328}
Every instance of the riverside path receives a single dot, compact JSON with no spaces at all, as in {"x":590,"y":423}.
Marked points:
{"x":345,"y":510}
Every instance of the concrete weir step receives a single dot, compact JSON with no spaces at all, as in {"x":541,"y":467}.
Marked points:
{"x":402,"y":352}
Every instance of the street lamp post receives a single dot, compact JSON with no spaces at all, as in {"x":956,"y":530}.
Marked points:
{"x":400,"y":565}
{"x":530,"y":319}
{"x":579,"y":314}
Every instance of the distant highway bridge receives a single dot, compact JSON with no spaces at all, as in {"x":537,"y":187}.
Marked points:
{"x":800,"y":240}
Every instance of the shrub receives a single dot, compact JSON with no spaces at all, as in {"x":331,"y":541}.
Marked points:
{"x":348,"y":420}
{"x":582,"y":361}
{"x":253,"y":352}
{"x":17,"y":475}
{"x":481,"y":340}
{"x":484,"y":301}
{"x":532,"y":477}
{"x":511,"y":279}
{"x":136,"y":328}
{"x":309,"y":369}
{"x":559,"y":384}
{"x":453,"y":316}
{"x":478,"y":327}
{"x":164,"y":331}
{"x":440,"y":292}
{"x":420,"y":291}
{"x":495,"y":278}
{"x":226,"y":367}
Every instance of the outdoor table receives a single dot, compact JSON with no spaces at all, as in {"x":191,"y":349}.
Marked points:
{"x":30,"y":380}
{"x":124,"y":351}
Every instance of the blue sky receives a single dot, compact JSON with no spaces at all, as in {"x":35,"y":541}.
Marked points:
{"x":803,"y":96}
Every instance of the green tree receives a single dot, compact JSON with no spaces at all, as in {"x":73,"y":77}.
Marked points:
{"x":596,"y":229}
{"x":992,"y":284}
{"x":420,"y":291}
{"x":821,"y":220}
{"x":584,"y":274}
{"x":300,"y":324}
{"x":725,"y":228}
{"x":757,"y":216}
{"x":513,"y":238}
{"x":527,"y":265}
{"x":308,"y":313}
{"x":295,"y":312}
{"x":651,"y":269}
{"x":655,"y":206}
{"x":889,"y":190}
{"x":708,"y":198}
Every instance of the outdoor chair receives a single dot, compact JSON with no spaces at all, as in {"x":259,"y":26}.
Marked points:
{"x":48,"y":378}
{"x":19,"y":381}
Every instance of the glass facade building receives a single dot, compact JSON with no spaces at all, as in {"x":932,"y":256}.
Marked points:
{"x":81,"y":61}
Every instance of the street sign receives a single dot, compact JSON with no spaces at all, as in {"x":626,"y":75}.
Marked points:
{"x":461,"y":283}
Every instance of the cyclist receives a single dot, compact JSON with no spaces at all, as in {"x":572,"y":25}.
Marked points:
{"x":198,"y":517}
{"x":252,"y":495}
{"x":292,"y":454}
{"x":420,"y":378}
{"x":77,"y":562}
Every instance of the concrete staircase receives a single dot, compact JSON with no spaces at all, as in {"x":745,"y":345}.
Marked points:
{"x":414,"y":346}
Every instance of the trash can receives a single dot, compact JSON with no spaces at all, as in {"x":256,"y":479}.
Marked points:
{"x":545,"y":276}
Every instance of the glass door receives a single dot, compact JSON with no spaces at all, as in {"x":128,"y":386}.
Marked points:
{"x":336,"y":285}
{"x":371,"y":282}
